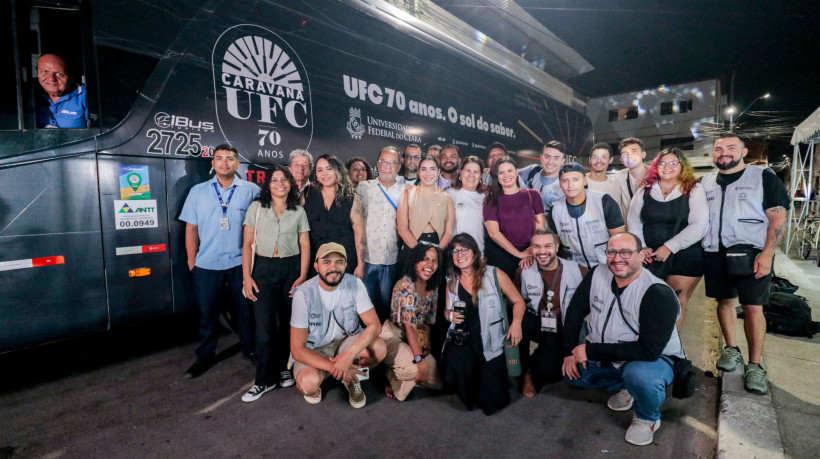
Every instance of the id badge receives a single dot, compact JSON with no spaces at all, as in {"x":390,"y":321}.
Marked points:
{"x":549,"y":323}
{"x":224,"y":224}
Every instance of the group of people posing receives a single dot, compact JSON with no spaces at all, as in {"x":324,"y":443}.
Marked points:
{"x":432,"y":265}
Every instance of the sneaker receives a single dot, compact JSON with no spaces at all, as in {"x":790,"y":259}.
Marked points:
{"x":754,"y":379}
{"x":357,"y":396}
{"x":286,"y":379}
{"x":641,"y":432}
{"x":199,"y":367}
{"x":730,"y":359}
{"x":622,"y":401}
{"x":255,"y":392}
{"x":314,"y":399}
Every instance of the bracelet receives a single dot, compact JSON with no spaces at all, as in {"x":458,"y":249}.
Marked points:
{"x":771,"y":254}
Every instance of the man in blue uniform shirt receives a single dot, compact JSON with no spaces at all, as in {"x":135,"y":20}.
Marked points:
{"x":63,"y":104}
{"x":214,"y":212}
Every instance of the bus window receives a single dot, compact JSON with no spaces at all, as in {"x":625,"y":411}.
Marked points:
{"x":122,"y":76}
{"x":59,"y":83}
{"x":9,"y":106}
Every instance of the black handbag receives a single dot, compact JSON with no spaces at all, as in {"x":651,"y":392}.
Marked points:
{"x":740,"y":260}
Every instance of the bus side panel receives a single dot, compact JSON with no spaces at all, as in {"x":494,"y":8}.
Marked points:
{"x":51,"y":261}
{"x":135,"y":235}
{"x":181,"y":176}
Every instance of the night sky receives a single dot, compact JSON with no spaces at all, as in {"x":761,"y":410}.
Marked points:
{"x":772,"y":46}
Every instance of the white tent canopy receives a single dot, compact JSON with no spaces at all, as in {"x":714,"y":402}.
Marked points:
{"x":807,"y":129}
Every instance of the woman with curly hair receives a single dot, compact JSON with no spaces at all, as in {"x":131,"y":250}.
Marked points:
{"x":670,"y":216}
{"x":407,"y":332}
{"x":275,"y":258}
{"x":334,"y":212}
{"x":359,"y":170}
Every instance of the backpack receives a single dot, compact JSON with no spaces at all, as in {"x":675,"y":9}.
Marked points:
{"x":789,"y":314}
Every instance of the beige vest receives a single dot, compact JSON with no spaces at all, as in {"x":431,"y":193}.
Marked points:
{"x":422,"y":211}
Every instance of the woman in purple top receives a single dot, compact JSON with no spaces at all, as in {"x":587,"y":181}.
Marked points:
{"x":511,"y":214}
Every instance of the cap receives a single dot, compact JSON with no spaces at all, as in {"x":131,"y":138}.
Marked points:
{"x":331,"y":247}
{"x":572,"y":167}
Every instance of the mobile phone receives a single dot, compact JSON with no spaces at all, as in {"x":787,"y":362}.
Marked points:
{"x":366,"y":374}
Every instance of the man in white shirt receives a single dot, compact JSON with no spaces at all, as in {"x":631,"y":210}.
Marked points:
{"x":449,"y":160}
{"x":326,"y":336}
{"x":300,"y":163}
{"x":600,"y":158}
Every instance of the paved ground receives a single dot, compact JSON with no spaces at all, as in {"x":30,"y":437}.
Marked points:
{"x":786,"y":422}
{"x":123,"y":394}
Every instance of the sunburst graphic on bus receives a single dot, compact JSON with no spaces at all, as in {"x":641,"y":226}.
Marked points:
{"x":260,"y":59}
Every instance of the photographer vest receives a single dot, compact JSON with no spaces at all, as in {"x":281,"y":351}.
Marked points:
{"x":608,"y":325}
{"x":549,"y":193}
{"x":587,"y":235}
{"x":532,"y":285}
{"x":736,"y":216}
{"x":493,"y":330}
{"x":343,"y":313}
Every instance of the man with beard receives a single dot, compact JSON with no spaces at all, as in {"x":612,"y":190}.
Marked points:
{"x":747,"y":212}
{"x":410,"y":160}
{"x":632,"y":339}
{"x":626,"y":181}
{"x":380,"y":200}
{"x":214,"y":212}
{"x":544,"y":176}
{"x":300,"y":164}
{"x":547,"y":287}
{"x":583,"y":218}
{"x":326,"y":336}
{"x":450,"y":161}
{"x":600,"y":157}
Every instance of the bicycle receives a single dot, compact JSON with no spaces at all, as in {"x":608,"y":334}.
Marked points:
{"x":811,"y":238}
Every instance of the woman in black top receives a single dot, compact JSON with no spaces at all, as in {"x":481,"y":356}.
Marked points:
{"x":478,"y":382}
{"x":334,"y":212}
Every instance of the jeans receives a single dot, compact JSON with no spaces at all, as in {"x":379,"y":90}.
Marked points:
{"x":645,"y":381}
{"x":378,"y":280}
{"x":208,"y":284}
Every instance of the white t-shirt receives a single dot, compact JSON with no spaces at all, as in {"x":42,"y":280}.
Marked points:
{"x":299,"y":312}
{"x":469,"y":213}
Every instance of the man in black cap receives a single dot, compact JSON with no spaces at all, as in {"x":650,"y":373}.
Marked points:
{"x":584,"y":219}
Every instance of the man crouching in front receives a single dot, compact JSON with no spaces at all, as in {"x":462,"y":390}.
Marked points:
{"x":632,"y":336}
{"x":326,"y":336}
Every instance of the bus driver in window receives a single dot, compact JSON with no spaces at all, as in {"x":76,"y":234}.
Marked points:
{"x":63,"y":104}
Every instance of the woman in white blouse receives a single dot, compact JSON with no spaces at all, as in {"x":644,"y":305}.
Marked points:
{"x":669,"y":214}
{"x":468,"y":195}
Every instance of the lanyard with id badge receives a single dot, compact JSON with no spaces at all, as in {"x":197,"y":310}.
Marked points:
{"x":549,"y":320}
{"x":224,"y":223}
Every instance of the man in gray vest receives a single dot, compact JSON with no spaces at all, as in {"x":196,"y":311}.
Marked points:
{"x":547,"y":287}
{"x":747,"y":213}
{"x":583,"y":218}
{"x":632,"y":339}
{"x":544,"y":176}
{"x":326,"y":335}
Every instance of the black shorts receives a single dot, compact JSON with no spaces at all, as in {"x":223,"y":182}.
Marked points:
{"x":721,"y":286}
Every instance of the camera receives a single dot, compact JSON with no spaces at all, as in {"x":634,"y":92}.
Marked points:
{"x":458,"y":335}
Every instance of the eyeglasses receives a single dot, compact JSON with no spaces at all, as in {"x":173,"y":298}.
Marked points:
{"x":670,"y":163}
{"x":624,"y":253}
{"x":388,"y":163}
{"x":416,"y":157}
{"x":461,"y":251}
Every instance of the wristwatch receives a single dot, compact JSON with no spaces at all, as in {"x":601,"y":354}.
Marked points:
{"x":417,"y":358}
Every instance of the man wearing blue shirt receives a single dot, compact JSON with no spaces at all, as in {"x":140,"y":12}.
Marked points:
{"x":214,"y":212}
{"x":64,"y":103}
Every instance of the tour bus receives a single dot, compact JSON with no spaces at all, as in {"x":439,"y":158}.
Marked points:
{"x":90,"y":236}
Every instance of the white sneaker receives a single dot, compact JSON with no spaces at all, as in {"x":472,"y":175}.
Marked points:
{"x":641,"y":432}
{"x":622,"y":401}
{"x":255,"y":392}
{"x":357,"y":397}
{"x":314,"y":399}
